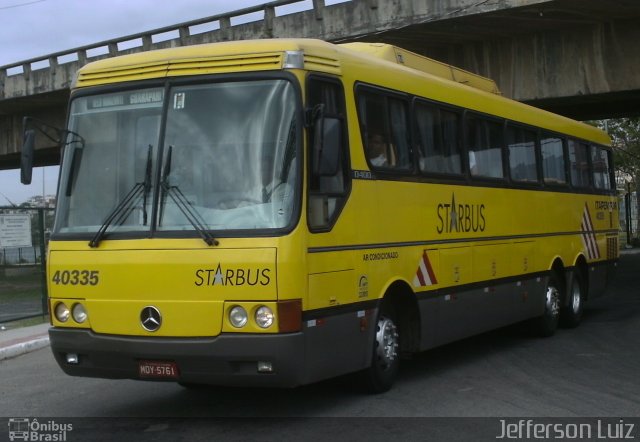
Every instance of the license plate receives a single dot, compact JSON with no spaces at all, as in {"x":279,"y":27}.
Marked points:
{"x":157,"y":369}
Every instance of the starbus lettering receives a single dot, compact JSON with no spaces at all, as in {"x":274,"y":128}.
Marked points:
{"x":232,"y":276}
{"x":456,"y":218}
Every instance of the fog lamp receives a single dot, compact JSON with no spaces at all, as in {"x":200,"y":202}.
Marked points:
{"x":265,"y":367}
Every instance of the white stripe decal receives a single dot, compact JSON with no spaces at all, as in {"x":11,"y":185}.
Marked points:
{"x":589,"y":240}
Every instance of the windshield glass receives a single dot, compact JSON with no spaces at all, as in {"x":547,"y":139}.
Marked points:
{"x":229,"y":156}
{"x":228,"y":160}
{"x":120,"y":132}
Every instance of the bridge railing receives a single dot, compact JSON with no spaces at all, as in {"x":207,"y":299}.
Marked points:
{"x":168,"y":36}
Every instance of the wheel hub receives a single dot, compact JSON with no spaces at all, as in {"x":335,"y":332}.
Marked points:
{"x":386,"y":341}
{"x":553,"y":301}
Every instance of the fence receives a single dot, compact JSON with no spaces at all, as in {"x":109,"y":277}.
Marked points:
{"x":23,"y":285}
{"x":629,"y":218}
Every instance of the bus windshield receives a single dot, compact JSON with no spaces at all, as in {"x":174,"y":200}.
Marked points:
{"x":215,"y":156}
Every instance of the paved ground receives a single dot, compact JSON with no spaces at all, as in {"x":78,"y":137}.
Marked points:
{"x":591,"y":371}
{"x":17,"y":341}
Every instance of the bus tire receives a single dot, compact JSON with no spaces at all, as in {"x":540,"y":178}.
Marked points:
{"x":385,"y":360}
{"x":547,"y":324}
{"x":571,"y":314}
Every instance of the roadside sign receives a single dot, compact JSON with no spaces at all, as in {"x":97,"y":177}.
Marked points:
{"x":15,"y":230}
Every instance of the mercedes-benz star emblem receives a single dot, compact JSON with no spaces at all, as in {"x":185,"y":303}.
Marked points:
{"x":150,"y":318}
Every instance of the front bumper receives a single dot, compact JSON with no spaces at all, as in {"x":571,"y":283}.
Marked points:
{"x":227,"y":359}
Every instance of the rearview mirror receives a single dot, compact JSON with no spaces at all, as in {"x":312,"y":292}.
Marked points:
{"x":327,"y":146}
{"x":26,"y":156}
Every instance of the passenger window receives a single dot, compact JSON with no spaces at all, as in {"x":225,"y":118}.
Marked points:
{"x":522,"y":154}
{"x":579,"y":162}
{"x":438,"y":140}
{"x":383,"y":122}
{"x":553,"y":165}
{"x":484,"y":144}
{"x":327,"y":194}
{"x":601,"y":170}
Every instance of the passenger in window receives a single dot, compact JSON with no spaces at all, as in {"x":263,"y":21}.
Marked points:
{"x":377,"y":151}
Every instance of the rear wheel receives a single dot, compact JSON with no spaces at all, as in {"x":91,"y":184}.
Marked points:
{"x":548,"y":322}
{"x":381,"y":374}
{"x":572,"y":313}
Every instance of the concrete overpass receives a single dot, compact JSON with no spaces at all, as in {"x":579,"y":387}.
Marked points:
{"x":575,"y":57}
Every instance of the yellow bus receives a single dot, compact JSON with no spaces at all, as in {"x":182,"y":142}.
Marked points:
{"x":278,"y":212}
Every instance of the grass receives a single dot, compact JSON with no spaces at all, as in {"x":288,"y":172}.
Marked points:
{"x":21,"y":294}
{"x":18,"y":294}
{"x":11,"y":292}
{"x":36,"y":320}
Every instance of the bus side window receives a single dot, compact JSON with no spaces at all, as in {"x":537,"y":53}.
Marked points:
{"x":484,"y":144}
{"x":438,"y":141}
{"x":385,"y":130}
{"x":579,"y":162}
{"x":553,"y":163}
{"x":601,"y":168}
{"x":327,"y":194}
{"x":521,"y":145}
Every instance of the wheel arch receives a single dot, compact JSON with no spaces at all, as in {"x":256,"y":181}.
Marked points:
{"x":402,"y":299}
{"x":558,"y":267}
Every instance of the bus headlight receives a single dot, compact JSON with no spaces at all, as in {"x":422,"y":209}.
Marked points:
{"x":79,"y":313}
{"x":264,"y":317}
{"x":62,"y":312}
{"x":238,"y":316}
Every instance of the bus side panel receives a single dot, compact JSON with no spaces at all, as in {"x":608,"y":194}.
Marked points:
{"x":600,"y":275}
{"x":475,"y":309}
{"x":338,"y":344}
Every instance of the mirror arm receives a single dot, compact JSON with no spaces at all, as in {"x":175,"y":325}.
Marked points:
{"x":41,"y":127}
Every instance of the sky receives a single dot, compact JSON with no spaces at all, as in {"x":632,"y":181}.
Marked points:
{"x":32,"y":28}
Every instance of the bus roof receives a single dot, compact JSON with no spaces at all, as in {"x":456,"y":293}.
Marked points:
{"x":424,"y":64}
{"x":417,"y":74}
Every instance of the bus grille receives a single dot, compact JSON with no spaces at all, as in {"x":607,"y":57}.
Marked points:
{"x":178,"y":67}
{"x":612,"y":248}
{"x":323,"y":64}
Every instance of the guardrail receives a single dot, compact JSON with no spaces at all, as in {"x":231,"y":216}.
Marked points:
{"x":177,"y":35}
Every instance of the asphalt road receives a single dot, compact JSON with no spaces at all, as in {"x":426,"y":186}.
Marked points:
{"x":591,"y":371}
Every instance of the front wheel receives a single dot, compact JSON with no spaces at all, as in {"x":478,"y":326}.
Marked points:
{"x":381,"y":374}
{"x":548,"y":322}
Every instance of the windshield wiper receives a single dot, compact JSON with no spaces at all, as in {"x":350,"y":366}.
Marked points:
{"x":126,"y":206}
{"x":147,"y":186}
{"x":183,"y":203}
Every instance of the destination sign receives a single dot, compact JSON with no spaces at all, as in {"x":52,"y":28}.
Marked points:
{"x":151,"y":97}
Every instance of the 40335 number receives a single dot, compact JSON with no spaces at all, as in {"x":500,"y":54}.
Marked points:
{"x":76,"y":277}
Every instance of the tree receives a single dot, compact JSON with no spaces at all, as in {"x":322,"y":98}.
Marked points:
{"x":625,"y":137}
